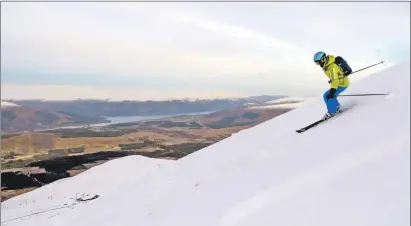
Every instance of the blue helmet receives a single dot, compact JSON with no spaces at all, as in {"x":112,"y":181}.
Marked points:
{"x":319,"y":56}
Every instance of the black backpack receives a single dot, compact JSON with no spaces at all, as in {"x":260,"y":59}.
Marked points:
{"x":343,"y":65}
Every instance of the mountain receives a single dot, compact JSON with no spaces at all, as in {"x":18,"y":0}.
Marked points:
{"x":39,"y":114}
{"x":141,"y":108}
{"x":6,"y":104}
{"x":265,"y":98}
{"x":283,"y":103}
{"x":351,"y":170}
{"x":17,"y":118}
{"x":20,"y":118}
{"x":286,"y":100}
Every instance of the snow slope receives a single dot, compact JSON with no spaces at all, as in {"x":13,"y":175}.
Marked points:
{"x":60,"y":196}
{"x":352,"y":170}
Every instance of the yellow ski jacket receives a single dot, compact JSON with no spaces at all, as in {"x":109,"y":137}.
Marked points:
{"x":334,"y":73}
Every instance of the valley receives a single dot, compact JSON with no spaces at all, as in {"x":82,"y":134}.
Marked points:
{"x":32,"y":159}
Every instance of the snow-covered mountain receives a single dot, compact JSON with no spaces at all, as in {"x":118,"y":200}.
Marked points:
{"x":352,"y":170}
{"x":284,"y":103}
{"x":5,"y":104}
{"x":291,"y":99}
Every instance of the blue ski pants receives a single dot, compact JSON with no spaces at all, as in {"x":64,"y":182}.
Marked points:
{"x":332,"y":104}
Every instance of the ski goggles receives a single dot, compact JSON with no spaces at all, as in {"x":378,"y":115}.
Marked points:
{"x":318,"y":62}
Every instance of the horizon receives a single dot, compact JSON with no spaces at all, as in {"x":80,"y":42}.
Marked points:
{"x":8,"y":100}
{"x":193,"y":50}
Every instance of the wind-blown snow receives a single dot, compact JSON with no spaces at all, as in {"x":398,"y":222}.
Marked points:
{"x":352,"y":170}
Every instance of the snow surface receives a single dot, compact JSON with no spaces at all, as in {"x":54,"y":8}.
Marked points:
{"x":60,"y":196}
{"x":352,"y":170}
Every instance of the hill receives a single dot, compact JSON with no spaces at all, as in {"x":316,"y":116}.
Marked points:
{"x":29,"y":115}
{"x":20,"y":118}
{"x":16,"y":118}
{"x":141,"y":108}
{"x":352,"y":170}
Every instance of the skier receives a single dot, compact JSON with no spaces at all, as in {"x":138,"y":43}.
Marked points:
{"x":338,"y":80}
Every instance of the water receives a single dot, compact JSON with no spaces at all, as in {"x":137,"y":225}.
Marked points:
{"x":126,"y":119}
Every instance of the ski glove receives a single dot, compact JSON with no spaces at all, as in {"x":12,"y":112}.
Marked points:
{"x":331,"y":93}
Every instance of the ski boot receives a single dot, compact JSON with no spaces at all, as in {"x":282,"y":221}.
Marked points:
{"x":329,"y":115}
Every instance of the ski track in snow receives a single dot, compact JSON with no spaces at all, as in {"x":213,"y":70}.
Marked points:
{"x":351,"y":170}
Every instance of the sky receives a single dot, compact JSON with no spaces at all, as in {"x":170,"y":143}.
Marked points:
{"x":155,"y":51}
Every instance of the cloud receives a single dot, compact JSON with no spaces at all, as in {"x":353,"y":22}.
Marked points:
{"x":240,"y":48}
{"x":238,"y":32}
{"x":69,"y":92}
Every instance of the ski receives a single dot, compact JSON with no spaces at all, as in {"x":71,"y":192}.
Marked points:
{"x":311,"y":125}
{"x":314,"y":124}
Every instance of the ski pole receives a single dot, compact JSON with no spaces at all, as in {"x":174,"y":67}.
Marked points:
{"x":366,"y":94}
{"x":367,"y":67}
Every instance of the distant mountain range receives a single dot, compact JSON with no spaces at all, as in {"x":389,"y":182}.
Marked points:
{"x":23,"y":118}
{"x":28,"y":115}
